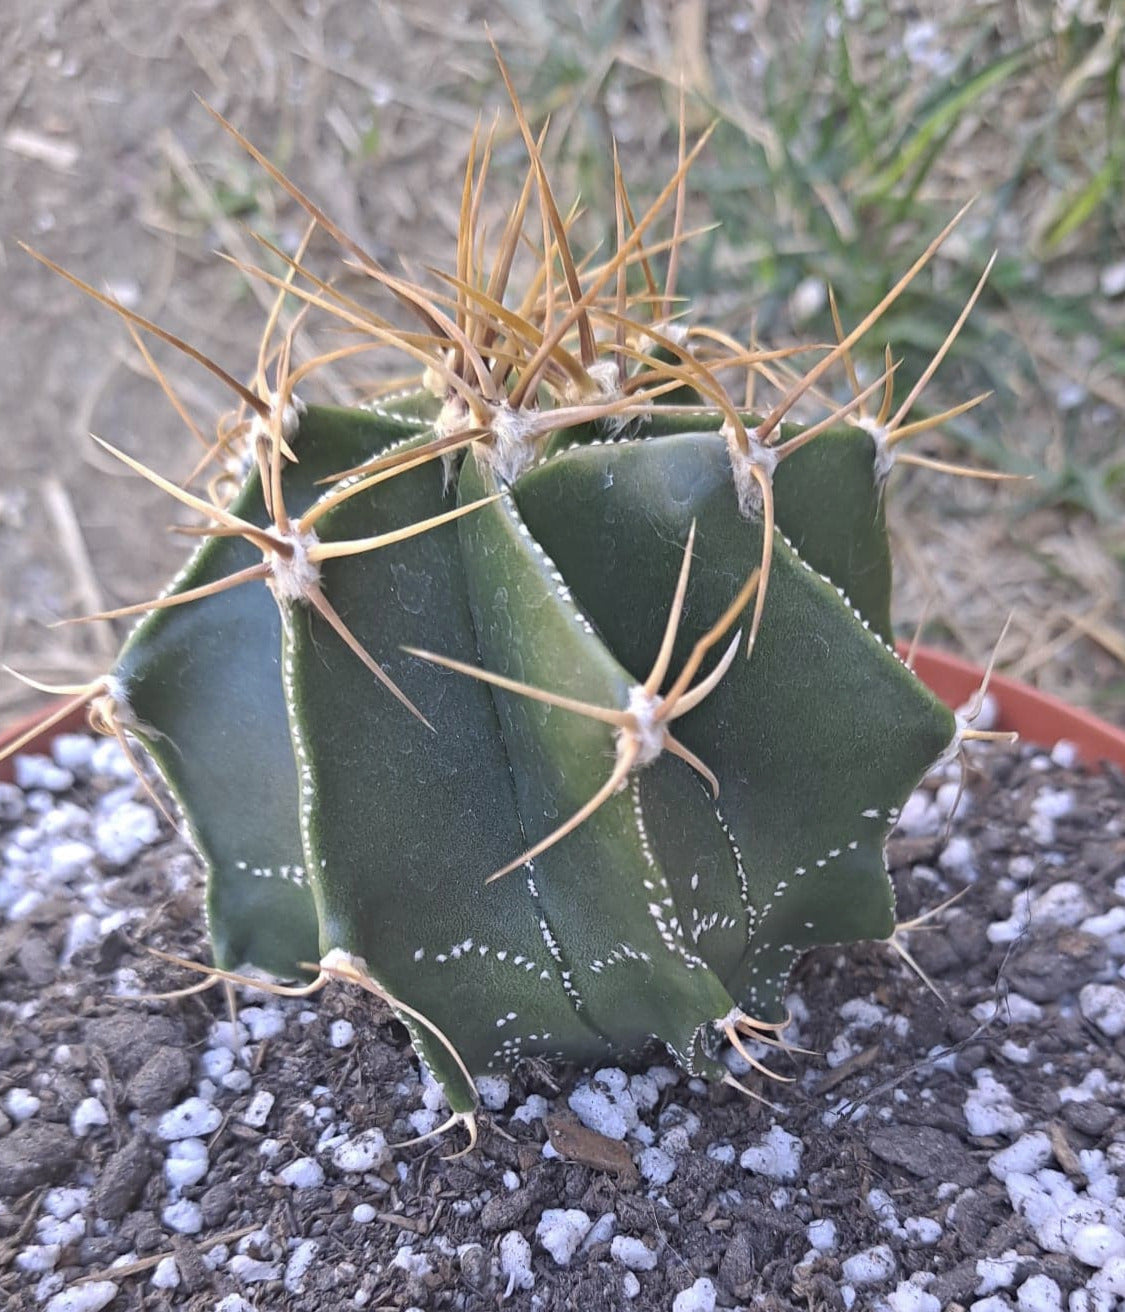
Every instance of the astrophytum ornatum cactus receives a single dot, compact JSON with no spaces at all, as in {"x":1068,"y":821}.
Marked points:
{"x":554,"y":698}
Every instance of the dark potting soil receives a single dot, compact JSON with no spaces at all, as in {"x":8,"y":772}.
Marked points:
{"x":964,"y":1151}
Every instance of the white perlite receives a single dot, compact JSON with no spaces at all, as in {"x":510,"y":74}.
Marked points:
{"x":1039,"y":1294}
{"x":304,"y":1173}
{"x":299,"y":1262}
{"x":988,"y":1108}
{"x":777,"y":1156}
{"x":1103,"y":1005}
{"x":341,"y":1033}
{"x":1028,"y":1154}
{"x":515,"y":1262}
{"x":656,"y":1166}
{"x":634,"y":1254}
{"x":494,"y":1091}
{"x":84,"y":1298}
{"x":166,"y":1275}
{"x":184,"y":1217}
{"x":88,"y":1116}
{"x":560,"y":1231}
{"x":192,"y":1119}
{"x":366,"y":1152}
{"x":125,"y":832}
{"x":258,"y":1110}
{"x":912,"y":1298}
{"x":186,"y":1163}
{"x":871,"y":1267}
{"x":699,"y":1298}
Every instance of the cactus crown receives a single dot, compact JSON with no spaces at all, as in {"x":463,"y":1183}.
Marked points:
{"x":552,"y":696}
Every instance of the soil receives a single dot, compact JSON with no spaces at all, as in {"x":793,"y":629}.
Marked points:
{"x":941,"y":1153}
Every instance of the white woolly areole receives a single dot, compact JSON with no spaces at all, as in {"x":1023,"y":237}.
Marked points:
{"x":758,"y":456}
{"x":649,"y":732}
{"x":512,"y":448}
{"x":436,"y":381}
{"x":293,"y":578}
{"x":884,"y":452}
{"x":115,"y":692}
{"x":453,"y":416}
{"x":603,"y":375}
{"x":290,"y":418}
{"x":676,"y":332}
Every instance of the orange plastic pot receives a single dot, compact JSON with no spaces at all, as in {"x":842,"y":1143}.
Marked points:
{"x":1036,"y":716}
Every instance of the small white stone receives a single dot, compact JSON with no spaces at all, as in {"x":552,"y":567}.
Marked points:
{"x":184,"y":1217}
{"x":912,"y":1298}
{"x":233,"y":1303}
{"x":191,"y":1119}
{"x":299,"y":1262}
{"x":599,"y":1112}
{"x":632,"y":1253}
{"x":63,"y":1203}
{"x":777,"y":1156}
{"x":88,"y":1116}
{"x":90,"y":1297}
{"x":1103,"y":1005}
{"x":922,"y":1229}
{"x":125,"y":832}
{"x":37,"y":1259}
{"x":263,"y":1022}
{"x":215,"y":1062}
{"x":988,"y":1108}
{"x":252,"y":1270}
{"x":630,"y":1285}
{"x":1097,"y":1244}
{"x":258,"y":1109}
{"x":20,"y":1104}
{"x":1039,"y":1294}
{"x":51,"y":1230}
{"x":996,"y":1272}
{"x":363,"y":1214}
{"x":304,"y":1173}
{"x":515,"y":1262}
{"x":68,"y":859}
{"x":41,"y":772}
{"x":699,"y":1298}
{"x":656,"y":1166}
{"x":167,"y":1274}
{"x":822,"y":1235}
{"x":365,"y":1152}
{"x":533,"y":1108}
{"x":341,"y":1033}
{"x":72,"y":751}
{"x":186,"y":1163}
{"x":494,"y":1091}
{"x":1028,"y":1154}
{"x":871,"y":1267}
{"x":560,"y":1231}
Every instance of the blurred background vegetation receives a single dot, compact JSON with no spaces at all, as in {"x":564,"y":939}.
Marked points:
{"x":848,"y":133}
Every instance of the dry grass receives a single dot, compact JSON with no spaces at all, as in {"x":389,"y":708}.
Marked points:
{"x":115,"y":171}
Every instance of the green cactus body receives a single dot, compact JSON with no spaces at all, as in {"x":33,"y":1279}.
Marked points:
{"x":521,"y":660}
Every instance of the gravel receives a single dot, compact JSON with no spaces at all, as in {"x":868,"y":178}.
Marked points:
{"x":970,"y":1153}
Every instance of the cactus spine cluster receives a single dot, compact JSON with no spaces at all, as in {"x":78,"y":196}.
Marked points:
{"x":553,"y":699}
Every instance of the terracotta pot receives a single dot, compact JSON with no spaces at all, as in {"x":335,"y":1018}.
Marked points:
{"x":1036,"y":716}
{"x":75,"y":722}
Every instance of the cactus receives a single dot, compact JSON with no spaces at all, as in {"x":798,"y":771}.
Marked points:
{"x":553,"y":699}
